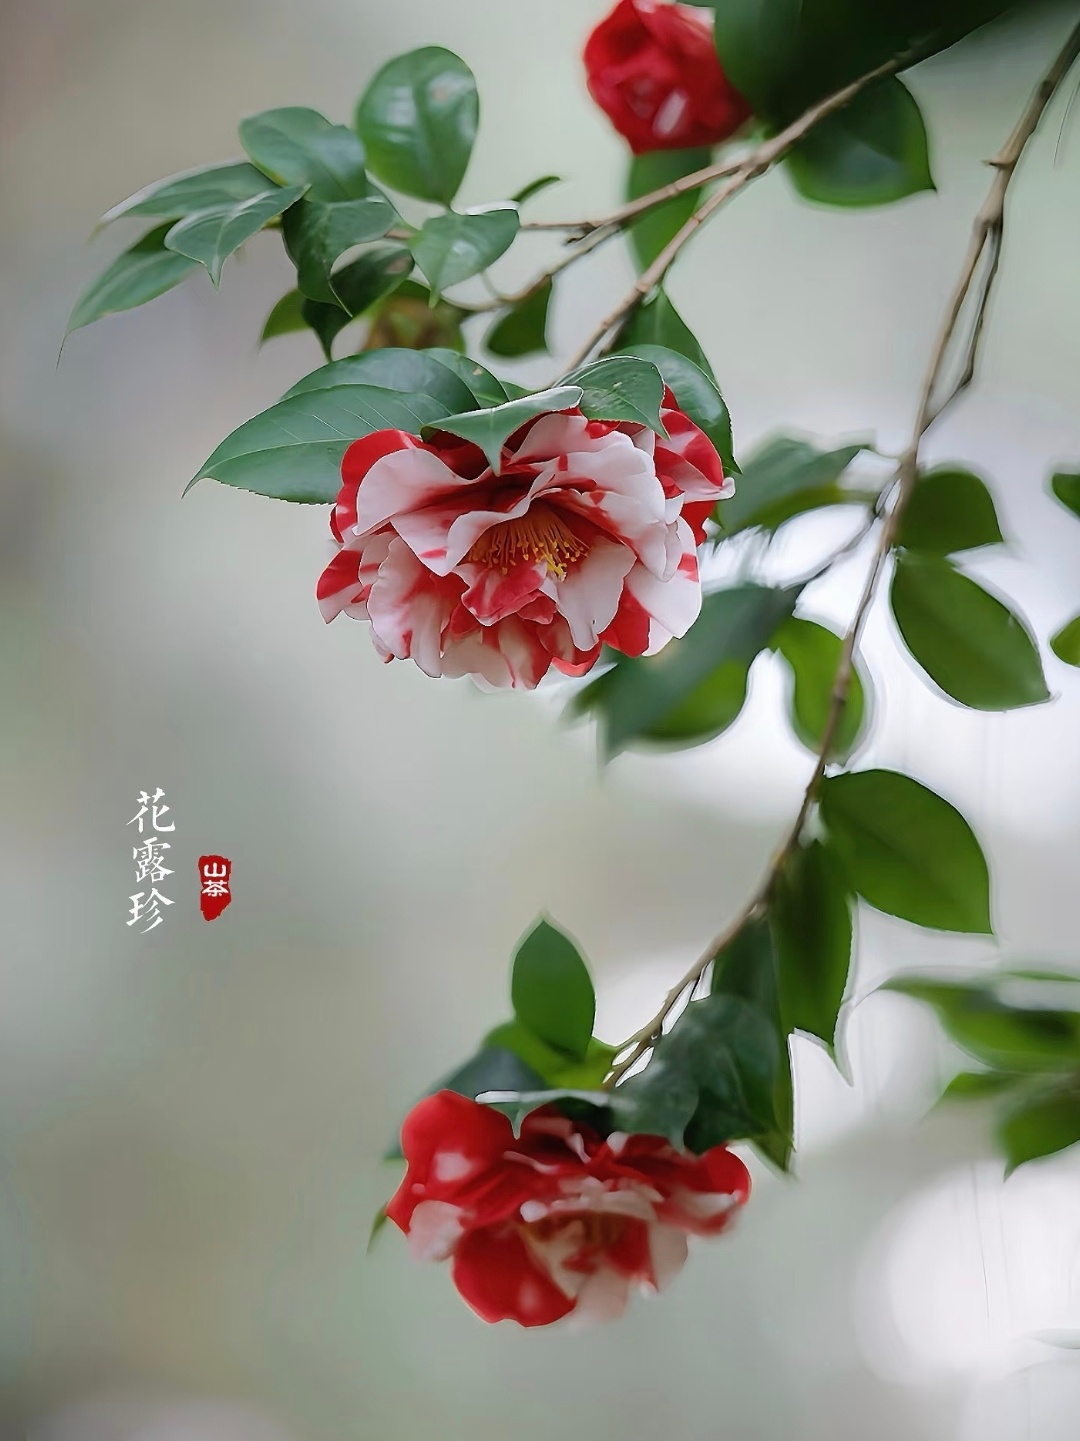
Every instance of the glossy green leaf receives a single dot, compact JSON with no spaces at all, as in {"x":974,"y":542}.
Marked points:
{"x":695,"y":393}
{"x":1066,"y":486}
{"x":782,"y":479}
{"x":711,"y":1078}
{"x":317,"y":235}
{"x":409,"y":371}
{"x":211,"y":236}
{"x":907,"y":851}
{"x":485,"y":389}
{"x":452,"y":247}
{"x":589,"y":1106}
{"x":872,"y":152}
{"x":710,"y":709}
{"x":418,"y":120}
{"x":968,"y":642}
{"x":1041,"y":1126}
{"x":1017,"y":1039}
{"x":297,"y":146}
{"x":652,"y":230}
{"x":657,"y":322}
{"x":490,"y":429}
{"x":293,"y":450}
{"x":811,"y":922}
{"x":949,"y":511}
{"x":551,"y":990}
{"x":558,"y":1067}
{"x":375,"y":273}
{"x":138,"y":275}
{"x":1066,"y":644}
{"x":636,"y":699}
{"x":377,"y":1226}
{"x":534,"y":187}
{"x":286,"y":316}
{"x":622,"y":387}
{"x":813,"y":653}
{"x":747,"y":967}
{"x":209,"y":188}
{"x":522,"y":329}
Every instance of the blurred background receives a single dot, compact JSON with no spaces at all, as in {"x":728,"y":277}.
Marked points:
{"x":192,"y":1119}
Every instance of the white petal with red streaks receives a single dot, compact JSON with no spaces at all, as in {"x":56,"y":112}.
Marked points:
{"x":588,"y":596}
{"x":674,"y":604}
{"x":409,"y":608}
{"x":401,"y":482}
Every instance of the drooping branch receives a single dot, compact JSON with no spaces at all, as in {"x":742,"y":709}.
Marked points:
{"x":972,"y":292}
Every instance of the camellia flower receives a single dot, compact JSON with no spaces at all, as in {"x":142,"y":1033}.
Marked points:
{"x":585,"y":534}
{"x":653,"y":69}
{"x":555,"y":1220}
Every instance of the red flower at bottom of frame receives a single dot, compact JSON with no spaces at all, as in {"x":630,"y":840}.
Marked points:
{"x":556,"y":1220}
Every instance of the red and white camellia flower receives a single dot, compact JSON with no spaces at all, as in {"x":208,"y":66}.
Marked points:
{"x":585,"y":534}
{"x":653,"y":69}
{"x":556,"y":1220}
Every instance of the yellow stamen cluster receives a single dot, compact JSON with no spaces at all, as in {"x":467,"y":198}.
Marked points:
{"x":539,"y":535}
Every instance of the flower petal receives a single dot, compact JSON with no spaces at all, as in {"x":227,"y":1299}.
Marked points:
{"x":496,"y":1275}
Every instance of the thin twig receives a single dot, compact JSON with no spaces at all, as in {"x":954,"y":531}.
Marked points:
{"x":739,"y":175}
{"x":985,"y":247}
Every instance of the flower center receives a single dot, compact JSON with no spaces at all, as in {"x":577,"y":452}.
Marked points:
{"x":539,"y":535}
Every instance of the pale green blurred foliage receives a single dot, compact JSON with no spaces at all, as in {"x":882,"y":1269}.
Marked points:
{"x":192,"y":1119}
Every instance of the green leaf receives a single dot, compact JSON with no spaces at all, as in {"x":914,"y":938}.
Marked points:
{"x":1066,"y":487}
{"x":872,"y":152}
{"x":297,"y":146}
{"x":418,"y":120}
{"x":293,"y":450}
{"x":657,"y":322}
{"x":138,"y":275}
{"x":485,"y":389}
{"x":622,"y":387}
{"x":785,"y":478}
{"x":208,"y":188}
{"x":640,"y":699}
{"x":211,"y":236}
{"x":410,"y":371}
{"x":747,"y":967}
{"x":949,"y":510}
{"x":907,"y":851}
{"x":286,"y":316}
{"x":1066,"y":644}
{"x":813,"y":653}
{"x":558,"y":1067}
{"x":652,"y":230}
{"x":711,"y":1078}
{"x":316,"y":235}
{"x":696,"y":394}
{"x":327,"y":321}
{"x":523,"y":328}
{"x":970,"y":644}
{"x":978,"y":1085}
{"x":534,"y":187}
{"x":551,"y":990}
{"x":374,"y":274}
{"x":811,"y":922}
{"x":377,"y":1225}
{"x":452,"y":247}
{"x":1041,"y":1126}
{"x":707,"y":712}
{"x":1010,"y":1038}
{"x":490,"y":429}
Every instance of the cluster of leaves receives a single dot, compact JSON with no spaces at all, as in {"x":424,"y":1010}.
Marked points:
{"x":1023,"y":1028}
{"x":970,"y":644}
{"x":783,"y":58}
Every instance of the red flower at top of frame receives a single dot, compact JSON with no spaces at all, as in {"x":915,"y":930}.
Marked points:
{"x":557,"y":1219}
{"x":653,"y":69}
{"x":584,"y":534}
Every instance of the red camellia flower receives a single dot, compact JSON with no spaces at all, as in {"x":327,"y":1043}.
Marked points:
{"x":653,"y":69}
{"x":555,"y":1220}
{"x":584,"y":534}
